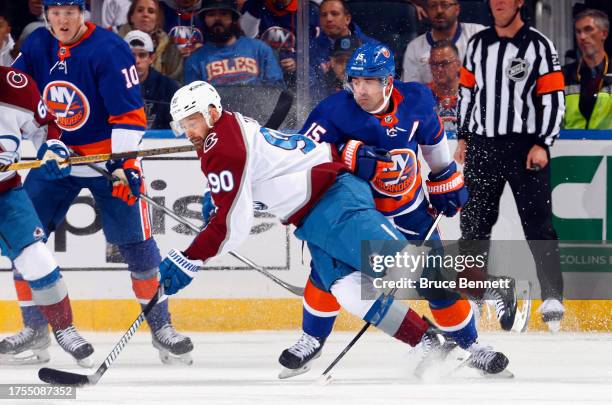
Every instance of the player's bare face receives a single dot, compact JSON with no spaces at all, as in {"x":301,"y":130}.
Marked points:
{"x":195,"y":129}
{"x":368,"y":92}
{"x":334,"y":21}
{"x":66,"y":23}
{"x":145,"y":16}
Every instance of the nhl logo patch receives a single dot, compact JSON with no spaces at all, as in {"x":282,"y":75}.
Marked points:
{"x":517,"y":69}
{"x":388,"y":119}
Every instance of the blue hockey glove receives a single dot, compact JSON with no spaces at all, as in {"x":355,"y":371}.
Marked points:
{"x":51,"y":153}
{"x":363,"y":160}
{"x":208,"y":207}
{"x":447,"y":192}
{"x":128,"y":179}
{"x":176,"y":272}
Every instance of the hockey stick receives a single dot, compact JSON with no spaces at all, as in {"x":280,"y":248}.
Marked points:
{"x":326,"y":376}
{"x":100,"y":157}
{"x":59,"y":377}
{"x":299,"y":291}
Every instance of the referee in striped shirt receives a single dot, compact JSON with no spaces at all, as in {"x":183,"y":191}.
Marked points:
{"x":510,"y":110}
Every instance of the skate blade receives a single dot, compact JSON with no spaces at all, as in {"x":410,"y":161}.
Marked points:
{"x":554,"y":326}
{"x":86,"y":362}
{"x":521,"y":319}
{"x":36,"y":357}
{"x":504,"y":374}
{"x":170,"y":359}
{"x":442,"y":366}
{"x":288,"y":372}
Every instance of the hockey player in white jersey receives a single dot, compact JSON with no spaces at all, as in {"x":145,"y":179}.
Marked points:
{"x":301,"y":182}
{"x":23,"y":115}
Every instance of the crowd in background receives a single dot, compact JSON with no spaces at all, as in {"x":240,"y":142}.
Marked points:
{"x":248,"y":48}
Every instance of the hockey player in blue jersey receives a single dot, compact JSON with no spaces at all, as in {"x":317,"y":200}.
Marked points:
{"x":378,"y":111}
{"x":39,"y":284}
{"x":88,"y":79}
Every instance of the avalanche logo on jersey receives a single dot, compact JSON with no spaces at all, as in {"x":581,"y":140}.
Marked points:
{"x":401,"y":178}
{"x":68,"y":103}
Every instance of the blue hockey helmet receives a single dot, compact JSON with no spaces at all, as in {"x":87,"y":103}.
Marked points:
{"x":371,"y":60}
{"x":48,"y":3}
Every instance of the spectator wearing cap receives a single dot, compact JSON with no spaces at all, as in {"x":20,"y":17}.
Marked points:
{"x":228,"y":57}
{"x":335,"y":22}
{"x":444,"y":18}
{"x":334,"y":78}
{"x":146,"y":16}
{"x":156,"y":89}
{"x":6,"y":40}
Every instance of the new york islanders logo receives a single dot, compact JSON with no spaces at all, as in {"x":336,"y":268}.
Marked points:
{"x":184,"y":36}
{"x":68,"y":103}
{"x":401,"y":178}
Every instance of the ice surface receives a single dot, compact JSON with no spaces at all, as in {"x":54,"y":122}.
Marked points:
{"x":241,"y":368}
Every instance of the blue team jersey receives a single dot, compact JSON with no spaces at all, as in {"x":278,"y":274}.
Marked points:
{"x":246,"y":61}
{"x":91,"y":86}
{"x":412,"y":122}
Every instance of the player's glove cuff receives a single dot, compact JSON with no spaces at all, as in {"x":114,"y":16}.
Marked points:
{"x":187,"y":266}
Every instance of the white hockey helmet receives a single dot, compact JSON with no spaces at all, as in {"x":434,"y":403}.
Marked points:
{"x":195,"y":97}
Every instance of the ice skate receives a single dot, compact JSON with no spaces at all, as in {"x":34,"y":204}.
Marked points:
{"x":488,"y":362}
{"x":505,"y":301}
{"x":173,"y":347}
{"x":298,"y":358}
{"x":439,"y":356}
{"x":28,"y":346}
{"x":75,"y":345}
{"x":552,"y":311}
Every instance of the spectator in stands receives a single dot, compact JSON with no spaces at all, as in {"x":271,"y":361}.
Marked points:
{"x":156,"y":89}
{"x":6,"y":40}
{"x":444,"y":18}
{"x":228,"y":57}
{"x":275,"y":22}
{"x":445,"y":66}
{"x":183,"y":24}
{"x":335,"y":22}
{"x":114,"y":13}
{"x":340,"y":53}
{"x":588,"y":84}
{"x":145,"y":15}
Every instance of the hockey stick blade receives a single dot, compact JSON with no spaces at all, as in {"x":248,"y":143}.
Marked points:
{"x":59,"y":377}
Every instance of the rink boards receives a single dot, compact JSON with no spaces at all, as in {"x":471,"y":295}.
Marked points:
{"x":227,"y":296}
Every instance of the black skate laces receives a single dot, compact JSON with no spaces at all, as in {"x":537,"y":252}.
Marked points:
{"x":69,"y":339}
{"x":305,"y":346}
